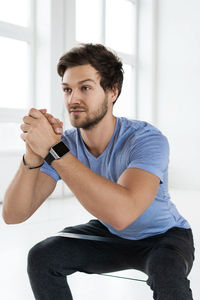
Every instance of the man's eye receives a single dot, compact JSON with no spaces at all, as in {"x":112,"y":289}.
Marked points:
{"x":85,"y":88}
{"x":67,"y":90}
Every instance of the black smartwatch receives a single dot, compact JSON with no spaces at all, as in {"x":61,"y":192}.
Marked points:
{"x":57,"y":151}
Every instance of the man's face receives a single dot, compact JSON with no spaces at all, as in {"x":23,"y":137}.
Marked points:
{"x":85,"y":99}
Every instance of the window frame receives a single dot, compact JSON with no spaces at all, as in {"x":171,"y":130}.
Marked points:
{"x":129,"y":59}
{"x":26,"y":34}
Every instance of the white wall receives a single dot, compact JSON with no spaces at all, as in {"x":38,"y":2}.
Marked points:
{"x":178,"y":87}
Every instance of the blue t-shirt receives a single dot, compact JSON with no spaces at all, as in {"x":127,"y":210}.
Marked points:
{"x":134,"y":144}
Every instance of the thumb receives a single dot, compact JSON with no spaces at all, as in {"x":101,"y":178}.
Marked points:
{"x":43,"y":110}
{"x":35,"y":113}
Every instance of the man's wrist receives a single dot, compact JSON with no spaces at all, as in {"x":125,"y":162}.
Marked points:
{"x":66,"y":158}
{"x":32,"y":162}
{"x":56,"y":152}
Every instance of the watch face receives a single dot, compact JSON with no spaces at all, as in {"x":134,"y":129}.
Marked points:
{"x":60,"y":149}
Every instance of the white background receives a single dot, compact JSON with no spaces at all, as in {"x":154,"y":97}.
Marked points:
{"x":166,"y":87}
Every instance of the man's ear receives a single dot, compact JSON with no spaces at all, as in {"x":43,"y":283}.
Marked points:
{"x":115,"y":92}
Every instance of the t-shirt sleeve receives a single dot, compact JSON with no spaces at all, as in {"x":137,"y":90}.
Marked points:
{"x":49,"y":170}
{"x":151,"y":153}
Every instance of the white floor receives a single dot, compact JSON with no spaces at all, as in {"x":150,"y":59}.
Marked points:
{"x":55,"y":214}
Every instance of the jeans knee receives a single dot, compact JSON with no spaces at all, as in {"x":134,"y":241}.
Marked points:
{"x":167,"y":276}
{"x":37,"y":258}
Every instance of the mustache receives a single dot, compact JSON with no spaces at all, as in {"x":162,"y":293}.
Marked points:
{"x":76,"y":108}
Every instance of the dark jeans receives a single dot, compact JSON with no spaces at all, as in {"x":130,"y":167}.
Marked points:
{"x":166,"y":258}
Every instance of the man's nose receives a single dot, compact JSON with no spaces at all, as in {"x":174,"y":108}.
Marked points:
{"x":74,"y":97}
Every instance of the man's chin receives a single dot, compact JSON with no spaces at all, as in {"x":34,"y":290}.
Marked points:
{"x":76,"y":124}
{"x":85,"y":126}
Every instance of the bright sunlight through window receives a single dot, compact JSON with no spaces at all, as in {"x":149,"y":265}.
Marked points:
{"x":13,"y":73}
{"x":15,"y":12}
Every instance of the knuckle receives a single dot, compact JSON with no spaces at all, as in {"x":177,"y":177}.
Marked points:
{"x":23,"y":137}
{"x":22,"y":127}
{"x":46,"y":115}
{"x":33,"y":125}
{"x":55,"y":126}
{"x":30,"y":132}
{"x":31,"y":110}
{"x":28,"y":138}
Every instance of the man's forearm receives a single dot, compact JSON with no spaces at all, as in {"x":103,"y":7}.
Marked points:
{"x":19,"y":195}
{"x":103,"y":198}
{"x":28,"y":189}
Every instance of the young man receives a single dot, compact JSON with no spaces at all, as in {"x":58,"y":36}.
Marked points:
{"x":118,"y":170}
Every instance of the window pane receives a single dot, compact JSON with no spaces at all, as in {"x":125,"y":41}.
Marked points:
{"x":88,"y":21}
{"x":10,"y":135}
{"x":13,"y":73}
{"x":120,"y":25}
{"x":15,"y":11}
{"x":125,"y":104}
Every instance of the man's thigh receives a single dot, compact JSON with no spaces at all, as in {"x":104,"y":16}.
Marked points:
{"x":110,"y":254}
{"x":66,"y":255}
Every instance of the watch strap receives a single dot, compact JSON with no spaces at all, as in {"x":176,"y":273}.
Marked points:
{"x":49,"y":158}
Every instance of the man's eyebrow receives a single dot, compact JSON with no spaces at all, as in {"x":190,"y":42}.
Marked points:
{"x":80,"y":82}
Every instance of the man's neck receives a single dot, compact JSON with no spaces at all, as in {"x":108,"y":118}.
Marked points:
{"x":97,"y":138}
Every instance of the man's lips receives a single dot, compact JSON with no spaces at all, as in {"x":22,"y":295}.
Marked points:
{"x":76,"y":110}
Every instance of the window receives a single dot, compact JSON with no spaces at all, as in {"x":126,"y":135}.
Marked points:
{"x":113,"y":23}
{"x":16,"y":72}
{"x":13,"y":73}
{"x":120,"y":25}
{"x":89,"y":25}
{"x":15,"y":12}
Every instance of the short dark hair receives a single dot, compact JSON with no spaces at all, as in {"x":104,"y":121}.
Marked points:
{"x":105,"y":61}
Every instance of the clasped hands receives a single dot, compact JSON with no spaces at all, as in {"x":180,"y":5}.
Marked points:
{"x":40,"y":131}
